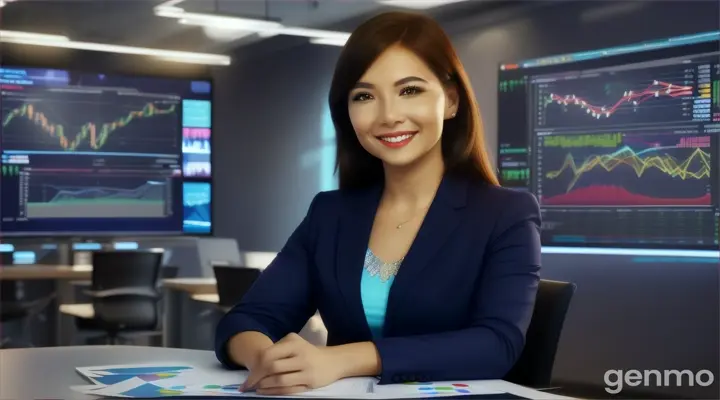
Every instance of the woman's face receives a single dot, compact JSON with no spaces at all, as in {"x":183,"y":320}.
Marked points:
{"x":398,"y":108}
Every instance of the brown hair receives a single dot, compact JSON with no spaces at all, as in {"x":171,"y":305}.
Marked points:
{"x":463,"y":143}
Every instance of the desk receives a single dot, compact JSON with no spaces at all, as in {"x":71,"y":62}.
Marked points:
{"x":38,"y":271}
{"x":176,"y":291}
{"x":178,"y":303}
{"x":48,"y":372}
{"x":62,"y":277}
{"x":192,"y":285}
{"x":212,"y":298}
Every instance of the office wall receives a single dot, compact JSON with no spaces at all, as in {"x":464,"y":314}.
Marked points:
{"x":274,"y":146}
{"x":274,"y":143}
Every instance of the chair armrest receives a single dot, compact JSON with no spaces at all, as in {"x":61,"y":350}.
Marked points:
{"x":124,"y":291}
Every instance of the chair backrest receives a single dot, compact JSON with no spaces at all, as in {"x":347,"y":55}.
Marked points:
{"x":118,"y":269}
{"x":126,"y":270}
{"x":169,"y":271}
{"x":535,"y":365}
{"x":233,"y":282}
{"x":8,"y":288}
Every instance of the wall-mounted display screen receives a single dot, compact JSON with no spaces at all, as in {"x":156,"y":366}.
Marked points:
{"x":86,"y":154}
{"x":621,"y":146}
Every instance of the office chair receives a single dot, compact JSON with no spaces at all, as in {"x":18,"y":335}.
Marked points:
{"x":535,"y":365}
{"x":16,"y":307}
{"x":233,"y":282}
{"x":124,"y":292}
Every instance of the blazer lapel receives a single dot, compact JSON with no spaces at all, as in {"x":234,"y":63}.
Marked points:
{"x":356,"y":224}
{"x":440,"y":221}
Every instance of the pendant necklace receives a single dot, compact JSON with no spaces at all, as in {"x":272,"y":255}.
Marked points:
{"x":400,"y":225}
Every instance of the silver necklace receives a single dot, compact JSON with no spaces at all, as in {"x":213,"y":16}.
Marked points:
{"x":376,"y":266}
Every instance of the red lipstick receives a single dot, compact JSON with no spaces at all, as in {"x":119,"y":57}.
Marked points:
{"x":397,"y":139}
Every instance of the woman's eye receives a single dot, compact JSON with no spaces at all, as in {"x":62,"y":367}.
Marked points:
{"x":361,"y":97}
{"x":411,"y":90}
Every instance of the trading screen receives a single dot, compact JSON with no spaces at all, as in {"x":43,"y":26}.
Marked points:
{"x":620,"y":146}
{"x":88,"y":153}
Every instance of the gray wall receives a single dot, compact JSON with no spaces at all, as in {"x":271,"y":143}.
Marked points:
{"x":628,"y":313}
{"x":272,"y":126}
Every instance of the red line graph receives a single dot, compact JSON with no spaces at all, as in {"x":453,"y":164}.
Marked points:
{"x":656,"y":89}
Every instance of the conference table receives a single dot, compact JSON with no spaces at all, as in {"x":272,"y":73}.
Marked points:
{"x":177,"y":299}
{"x":49,"y":372}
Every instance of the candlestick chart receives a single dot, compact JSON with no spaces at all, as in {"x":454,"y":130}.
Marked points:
{"x":651,"y":97}
{"x":617,"y":169}
{"x":71,"y":126}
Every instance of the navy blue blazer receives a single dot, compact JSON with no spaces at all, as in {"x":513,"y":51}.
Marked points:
{"x":460,"y":304}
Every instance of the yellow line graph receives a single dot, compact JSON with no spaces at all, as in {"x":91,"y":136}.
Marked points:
{"x":627,"y":156}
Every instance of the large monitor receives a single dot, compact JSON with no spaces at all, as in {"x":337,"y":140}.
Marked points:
{"x":621,"y":146}
{"x":100,"y":154}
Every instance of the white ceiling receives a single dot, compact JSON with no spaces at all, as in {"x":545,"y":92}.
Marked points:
{"x":319,"y":14}
{"x":133,"y":23}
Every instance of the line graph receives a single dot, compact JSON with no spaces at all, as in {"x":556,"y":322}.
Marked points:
{"x":619,"y":98}
{"x":69,"y":125}
{"x":641,"y":170}
{"x":654,"y":90}
{"x":65,"y":196}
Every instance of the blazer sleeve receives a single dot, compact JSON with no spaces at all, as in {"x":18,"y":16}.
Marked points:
{"x":280,"y":301}
{"x":500,"y":315}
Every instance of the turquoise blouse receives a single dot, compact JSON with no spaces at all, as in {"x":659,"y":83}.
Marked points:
{"x":374,"y":292}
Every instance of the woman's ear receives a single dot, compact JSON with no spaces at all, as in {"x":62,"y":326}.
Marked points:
{"x":452,"y":101}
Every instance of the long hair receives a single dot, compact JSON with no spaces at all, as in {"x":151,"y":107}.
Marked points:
{"x":463,"y":143}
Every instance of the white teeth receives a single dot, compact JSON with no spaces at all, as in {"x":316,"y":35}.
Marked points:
{"x":396,"y":139}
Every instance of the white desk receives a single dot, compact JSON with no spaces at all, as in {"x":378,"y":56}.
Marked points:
{"x":48,"y":372}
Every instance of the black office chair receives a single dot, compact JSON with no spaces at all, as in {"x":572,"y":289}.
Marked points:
{"x":535,"y":365}
{"x":17,"y":307}
{"x":233,"y":282}
{"x":124,"y":292}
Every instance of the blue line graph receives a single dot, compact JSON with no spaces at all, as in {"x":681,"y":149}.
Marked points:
{"x":107,"y":198}
{"x":150,"y":191}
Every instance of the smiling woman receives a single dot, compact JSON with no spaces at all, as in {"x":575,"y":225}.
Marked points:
{"x":403,"y":65}
{"x":421,"y":266}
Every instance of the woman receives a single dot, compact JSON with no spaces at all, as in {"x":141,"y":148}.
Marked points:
{"x":420,"y":265}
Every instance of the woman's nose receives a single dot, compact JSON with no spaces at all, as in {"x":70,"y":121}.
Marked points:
{"x":390,"y":114}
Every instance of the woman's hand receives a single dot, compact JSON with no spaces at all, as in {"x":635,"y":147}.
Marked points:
{"x":292,"y":365}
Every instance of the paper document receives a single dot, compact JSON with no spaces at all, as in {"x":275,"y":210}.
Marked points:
{"x":179,"y":379}
{"x":434,"y":389}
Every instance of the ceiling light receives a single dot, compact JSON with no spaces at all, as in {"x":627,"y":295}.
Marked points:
{"x":5,"y":2}
{"x":19,"y":35}
{"x":217,"y":21}
{"x":417,"y":4}
{"x":261,"y":27}
{"x":313,"y":33}
{"x":288,"y":30}
{"x":328,"y":41}
{"x":170,"y":55}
